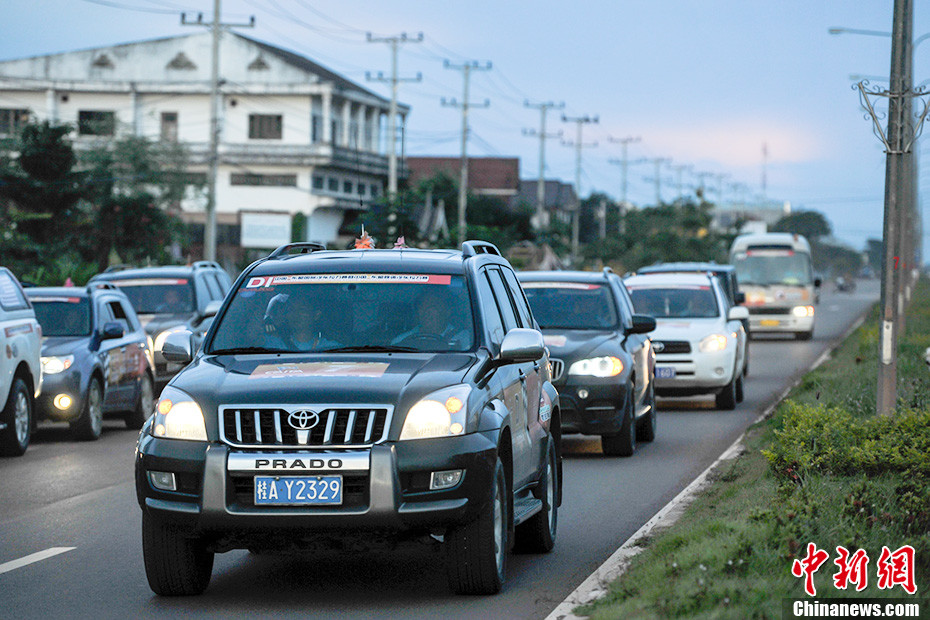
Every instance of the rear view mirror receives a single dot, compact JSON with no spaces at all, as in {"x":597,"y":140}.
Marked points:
{"x":212,"y":308}
{"x":738,"y":313}
{"x":522,"y":345}
{"x":642,"y":324}
{"x":112,"y":330}
{"x":178,"y":347}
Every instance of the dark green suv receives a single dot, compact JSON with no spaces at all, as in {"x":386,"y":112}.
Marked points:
{"x":351,"y":396}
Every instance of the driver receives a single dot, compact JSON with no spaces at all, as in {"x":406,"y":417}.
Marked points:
{"x":435,"y":321}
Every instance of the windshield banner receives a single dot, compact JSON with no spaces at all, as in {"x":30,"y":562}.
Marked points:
{"x":348,"y":278}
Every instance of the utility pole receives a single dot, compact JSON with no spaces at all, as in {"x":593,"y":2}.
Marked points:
{"x":679,"y":171}
{"x":394,"y":80}
{"x":658,"y":161}
{"x":701,"y":185}
{"x":541,"y":219}
{"x":765,"y":161}
{"x":216,"y":26}
{"x":579,"y":121}
{"x":466,"y":70}
{"x":624,"y":166}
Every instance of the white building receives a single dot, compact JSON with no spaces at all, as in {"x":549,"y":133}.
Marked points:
{"x":294,"y":136}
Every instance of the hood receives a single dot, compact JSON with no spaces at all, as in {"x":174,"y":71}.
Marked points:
{"x":64,"y":345}
{"x":155,"y":324}
{"x":574,"y":344}
{"x":691,"y":330}
{"x":333,"y":379}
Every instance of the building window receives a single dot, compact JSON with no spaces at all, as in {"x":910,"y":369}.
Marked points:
{"x":265,"y":126}
{"x":12,"y":121}
{"x":318,"y":181}
{"x":265,"y":180}
{"x":361,"y":189}
{"x":375,"y":190}
{"x":316,"y":128}
{"x":169,"y":126}
{"x":96,"y":123}
{"x":347,"y":187}
{"x":332,"y":184}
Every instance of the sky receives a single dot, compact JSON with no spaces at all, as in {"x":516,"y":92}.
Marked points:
{"x":709,"y":85}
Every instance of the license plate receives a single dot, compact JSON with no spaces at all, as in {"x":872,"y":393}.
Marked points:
{"x":298,"y":490}
{"x":769,"y":322}
{"x":665,"y":372}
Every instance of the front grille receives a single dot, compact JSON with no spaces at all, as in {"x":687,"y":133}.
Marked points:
{"x":337,"y":426}
{"x":557,"y":366}
{"x":766,"y":310}
{"x":671,"y":346}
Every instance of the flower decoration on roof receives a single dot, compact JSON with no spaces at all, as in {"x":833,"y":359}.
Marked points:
{"x":400,"y":244}
{"x":365,"y":242}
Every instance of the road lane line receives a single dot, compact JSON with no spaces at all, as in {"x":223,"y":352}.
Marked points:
{"x":597,"y":583}
{"x":31,"y":559}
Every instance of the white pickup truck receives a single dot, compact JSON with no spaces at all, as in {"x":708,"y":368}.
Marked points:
{"x":20,"y":365}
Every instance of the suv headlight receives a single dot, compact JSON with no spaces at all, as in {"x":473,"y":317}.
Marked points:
{"x":440,"y":414}
{"x":607,"y":366}
{"x":713,"y":343}
{"x":177,"y":416}
{"x":53,"y":365}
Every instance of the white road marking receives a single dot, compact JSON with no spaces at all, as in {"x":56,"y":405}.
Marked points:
{"x":31,"y":559}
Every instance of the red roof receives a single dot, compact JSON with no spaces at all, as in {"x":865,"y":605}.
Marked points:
{"x":485,"y":174}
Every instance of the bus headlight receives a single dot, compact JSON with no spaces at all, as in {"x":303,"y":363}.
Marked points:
{"x":802,"y":311}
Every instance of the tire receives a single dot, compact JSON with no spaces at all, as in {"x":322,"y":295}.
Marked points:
{"x":624,"y":442}
{"x":476,"y":553}
{"x":89,"y":425}
{"x":726,"y":398}
{"x":646,"y":425}
{"x":144,"y":406}
{"x":175,"y":564}
{"x":537,"y":534}
{"x":18,"y":416}
{"x":740,"y":391}
{"x":804,"y":335}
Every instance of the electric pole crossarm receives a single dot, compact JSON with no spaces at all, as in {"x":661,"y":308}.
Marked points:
{"x":579,"y":144}
{"x":541,"y":219}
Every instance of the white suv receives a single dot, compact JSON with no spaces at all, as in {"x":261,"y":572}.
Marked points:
{"x":20,"y":365}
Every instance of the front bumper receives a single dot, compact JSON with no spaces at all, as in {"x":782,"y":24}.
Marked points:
{"x":695,"y":372}
{"x":391,"y":493}
{"x":600,"y":413}
{"x":780,"y":324}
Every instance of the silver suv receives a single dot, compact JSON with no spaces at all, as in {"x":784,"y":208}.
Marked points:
{"x":20,"y":365}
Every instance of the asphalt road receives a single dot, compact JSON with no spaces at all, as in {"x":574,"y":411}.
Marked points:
{"x":80,"y":497}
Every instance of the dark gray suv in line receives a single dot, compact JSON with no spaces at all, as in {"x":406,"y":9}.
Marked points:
{"x":345,"y":397}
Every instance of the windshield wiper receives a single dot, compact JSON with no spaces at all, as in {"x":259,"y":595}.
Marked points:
{"x":242,"y":350}
{"x":373,"y":348}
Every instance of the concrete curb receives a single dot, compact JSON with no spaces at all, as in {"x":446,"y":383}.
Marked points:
{"x":596,"y":585}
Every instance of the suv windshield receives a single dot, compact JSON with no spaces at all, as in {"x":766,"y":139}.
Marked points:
{"x":351,"y":312}
{"x":63,"y":316}
{"x":158,"y":295}
{"x":571,"y":305}
{"x":692,"y":302}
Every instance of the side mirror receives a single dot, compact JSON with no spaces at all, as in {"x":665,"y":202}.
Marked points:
{"x":112,"y":330}
{"x":178,"y":347}
{"x":642,"y":324}
{"x":739,"y":298}
{"x":738,"y":313}
{"x":521,"y":345}
{"x":212,"y":308}
{"x":817,"y":282}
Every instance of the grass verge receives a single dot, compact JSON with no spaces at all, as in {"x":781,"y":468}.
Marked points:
{"x":823,"y":469}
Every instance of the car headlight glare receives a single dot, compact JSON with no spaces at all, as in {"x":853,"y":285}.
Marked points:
{"x":713,"y":343}
{"x":53,"y":365}
{"x":160,"y":338}
{"x":177,"y":416}
{"x":802,"y":311}
{"x":607,"y":366}
{"x":440,"y":414}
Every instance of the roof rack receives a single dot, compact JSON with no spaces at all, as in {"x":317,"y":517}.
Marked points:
{"x":206,"y":263}
{"x":473,"y":248}
{"x":607,"y":271}
{"x":305,"y":247}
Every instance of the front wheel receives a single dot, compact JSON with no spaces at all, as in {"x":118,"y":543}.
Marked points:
{"x":89,"y":426}
{"x":624,"y":442}
{"x":537,"y":534}
{"x":144,"y":406}
{"x":17,"y":415}
{"x":804,"y":335}
{"x":726,"y":398}
{"x":175,"y":564}
{"x":646,"y":425}
{"x":740,"y":389}
{"x":476,"y":553}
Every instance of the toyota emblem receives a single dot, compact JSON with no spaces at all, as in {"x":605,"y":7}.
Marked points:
{"x":303,"y":420}
{"x":658,"y":347}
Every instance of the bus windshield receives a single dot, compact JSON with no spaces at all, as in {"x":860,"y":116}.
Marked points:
{"x":773,"y":267}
